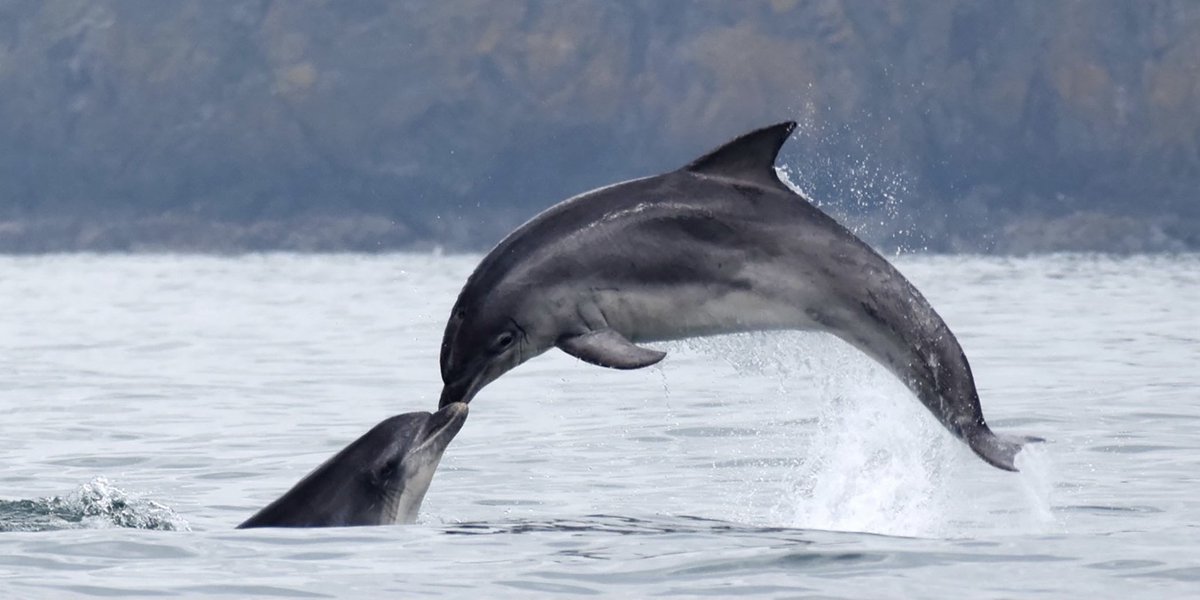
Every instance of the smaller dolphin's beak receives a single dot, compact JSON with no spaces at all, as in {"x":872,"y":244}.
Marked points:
{"x":441,"y":427}
{"x":450,"y":415}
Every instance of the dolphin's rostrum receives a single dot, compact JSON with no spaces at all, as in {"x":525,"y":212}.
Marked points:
{"x":718,"y":246}
{"x":379,"y":479}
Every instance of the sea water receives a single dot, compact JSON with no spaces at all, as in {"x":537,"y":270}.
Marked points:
{"x":151,"y":403}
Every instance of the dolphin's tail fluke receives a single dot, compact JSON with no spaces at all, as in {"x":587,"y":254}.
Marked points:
{"x":1000,"y":451}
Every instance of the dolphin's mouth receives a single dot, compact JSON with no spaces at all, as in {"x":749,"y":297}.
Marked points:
{"x":442,"y":426}
{"x":460,"y":391}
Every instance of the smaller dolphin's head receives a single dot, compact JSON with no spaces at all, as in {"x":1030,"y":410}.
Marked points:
{"x":379,"y":479}
{"x":402,"y":471}
{"x":482,"y":343}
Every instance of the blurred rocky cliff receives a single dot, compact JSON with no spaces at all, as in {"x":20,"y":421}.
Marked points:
{"x":966,"y":125}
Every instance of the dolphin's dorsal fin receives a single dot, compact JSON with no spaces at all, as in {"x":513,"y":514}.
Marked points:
{"x":750,"y":157}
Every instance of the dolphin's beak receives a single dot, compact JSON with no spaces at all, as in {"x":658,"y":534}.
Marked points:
{"x":460,"y":390}
{"x":476,"y":375}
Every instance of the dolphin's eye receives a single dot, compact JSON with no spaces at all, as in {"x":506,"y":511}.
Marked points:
{"x":460,"y":314}
{"x":503,"y":341}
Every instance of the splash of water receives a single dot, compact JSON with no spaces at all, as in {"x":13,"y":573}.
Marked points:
{"x":872,"y":465}
{"x":1037,"y":477}
{"x":866,"y":456}
{"x":96,"y":504}
{"x":839,"y":172}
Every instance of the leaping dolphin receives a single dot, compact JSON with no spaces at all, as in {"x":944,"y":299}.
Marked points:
{"x":379,"y":479}
{"x":718,"y":246}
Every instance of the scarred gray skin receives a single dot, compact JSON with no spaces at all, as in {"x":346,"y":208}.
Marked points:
{"x":719,"y":246}
{"x":379,"y":479}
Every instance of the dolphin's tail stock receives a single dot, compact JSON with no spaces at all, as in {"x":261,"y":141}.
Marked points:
{"x":1000,"y":451}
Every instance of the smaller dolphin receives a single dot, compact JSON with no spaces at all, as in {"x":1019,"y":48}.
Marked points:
{"x":379,"y":479}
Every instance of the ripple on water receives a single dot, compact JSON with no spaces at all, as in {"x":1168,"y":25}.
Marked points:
{"x":251,"y":591}
{"x":114,"y":549}
{"x":105,"y":591}
{"x":1103,"y":509}
{"x":1188,"y":574}
{"x":99,"y":462}
{"x":1131,"y":448}
{"x":712,"y":432}
{"x":1124,"y":565}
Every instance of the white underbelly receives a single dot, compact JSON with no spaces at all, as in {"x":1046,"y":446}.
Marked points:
{"x":690,"y":311}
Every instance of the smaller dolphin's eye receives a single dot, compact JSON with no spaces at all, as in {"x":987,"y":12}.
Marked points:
{"x":460,"y":314}
{"x":388,"y":471}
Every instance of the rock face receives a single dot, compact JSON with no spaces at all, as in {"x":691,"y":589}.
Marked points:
{"x":374,"y":124}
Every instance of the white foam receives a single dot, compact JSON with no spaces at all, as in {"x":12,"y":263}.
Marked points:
{"x":99,"y":504}
{"x":873,"y":464}
{"x":875,"y":460}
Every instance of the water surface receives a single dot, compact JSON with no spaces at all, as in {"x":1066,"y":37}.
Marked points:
{"x":763,"y":465}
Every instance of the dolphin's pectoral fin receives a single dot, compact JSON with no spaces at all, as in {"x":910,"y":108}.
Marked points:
{"x":1000,"y":451}
{"x":608,"y":348}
